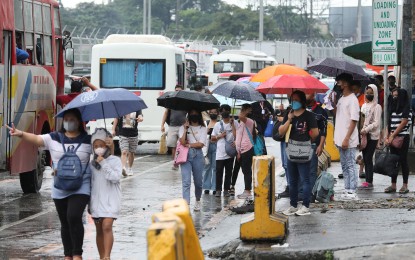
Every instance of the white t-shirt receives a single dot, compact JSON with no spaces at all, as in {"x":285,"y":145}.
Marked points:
{"x":194,"y":134}
{"x":347,"y":110}
{"x":220,"y":148}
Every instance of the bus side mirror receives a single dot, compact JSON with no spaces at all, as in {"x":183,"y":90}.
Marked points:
{"x":69,"y":57}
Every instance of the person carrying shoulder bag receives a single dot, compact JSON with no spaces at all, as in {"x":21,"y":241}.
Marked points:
{"x":303,"y":129}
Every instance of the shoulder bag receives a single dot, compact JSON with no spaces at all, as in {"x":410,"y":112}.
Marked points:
{"x":386,"y":163}
{"x":363,"y":137}
{"x":181,"y":153}
{"x":257,"y":143}
{"x":230,"y":147}
{"x":299,"y":151}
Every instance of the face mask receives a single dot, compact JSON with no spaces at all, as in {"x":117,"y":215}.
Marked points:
{"x":194,"y":118}
{"x":296,"y":105}
{"x":100,"y":151}
{"x":370,"y":97}
{"x":225,"y":114}
{"x":70,"y":126}
{"x":213,"y":116}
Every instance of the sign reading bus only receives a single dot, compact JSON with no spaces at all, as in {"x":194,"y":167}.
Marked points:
{"x":384,"y":25}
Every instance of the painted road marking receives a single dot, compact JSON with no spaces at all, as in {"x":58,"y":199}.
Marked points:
{"x":142,"y":157}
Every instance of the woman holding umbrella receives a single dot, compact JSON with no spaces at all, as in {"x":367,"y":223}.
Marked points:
{"x":193,"y":134}
{"x":70,"y":204}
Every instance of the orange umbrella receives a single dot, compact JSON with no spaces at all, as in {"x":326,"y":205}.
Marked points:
{"x":276,"y":70}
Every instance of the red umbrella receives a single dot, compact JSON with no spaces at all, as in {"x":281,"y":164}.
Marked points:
{"x":286,"y":84}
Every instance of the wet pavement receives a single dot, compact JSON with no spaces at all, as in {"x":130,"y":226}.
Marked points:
{"x":29,"y":225}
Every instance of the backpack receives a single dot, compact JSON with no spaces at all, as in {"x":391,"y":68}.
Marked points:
{"x":69,"y":173}
{"x":323,"y":188}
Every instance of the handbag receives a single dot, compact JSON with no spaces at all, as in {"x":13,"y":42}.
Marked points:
{"x":386,"y":163}
{"x":181,"y":154}
{"x":163,"y":144}
{"x":299,"y":151}
{"x":270,"y":127}
{"x":363,"y":141}
{"x":230,"y":148}
{"x":397,"y":142}
{"x":258,"y":143}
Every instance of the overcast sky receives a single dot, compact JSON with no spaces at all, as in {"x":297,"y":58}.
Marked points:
{"x":73,"y":3}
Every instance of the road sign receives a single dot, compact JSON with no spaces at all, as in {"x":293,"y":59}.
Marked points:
{"x":384,"y":25}
{"x":384,"y":58}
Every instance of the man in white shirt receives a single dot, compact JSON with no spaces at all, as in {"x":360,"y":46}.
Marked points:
{"x":346,"y":134}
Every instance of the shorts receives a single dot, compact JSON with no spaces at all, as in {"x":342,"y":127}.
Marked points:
{"x":99,"y":220}
{"x":172,"y":136}
{"x":128,"y":144}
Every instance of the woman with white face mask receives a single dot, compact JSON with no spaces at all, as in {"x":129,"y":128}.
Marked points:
{"x":105,"y":201}
{"x":70,"y":203}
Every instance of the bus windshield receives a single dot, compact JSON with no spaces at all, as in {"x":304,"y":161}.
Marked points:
{"x":228,"y":66}
{"x":133,"y":74}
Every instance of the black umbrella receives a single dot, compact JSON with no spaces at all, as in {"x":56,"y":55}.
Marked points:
{"x":334,"y":66}
{"x":236,"y":90}
{"x":187,"y":100}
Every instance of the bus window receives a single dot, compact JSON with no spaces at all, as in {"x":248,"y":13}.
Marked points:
{"x":56,"y":21}
{"x":133,"y":74}
{"x":227,"y":66}
{"x":39,"y":49}
{"x":28,"y":17}
{"x":37,"y":13}
{"x":256,"y":66}
{"x":47,"y":22}
{"x":18,"y":15}
{"x":180,"y":74}
{"x":47,"y":40}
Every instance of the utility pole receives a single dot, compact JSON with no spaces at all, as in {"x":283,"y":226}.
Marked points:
{"x":177,"y":14}
{"x":144,"y":16}
{"x":407,"y":55}
{"x":359,"y":22}
{"x":149,"y":17}
{"x":261,"y":21}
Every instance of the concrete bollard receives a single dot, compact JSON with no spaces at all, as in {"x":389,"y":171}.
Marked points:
{"x":264,"y":224}
{"x":164,"y":241}
{"x":330,"y":146}
{"x":192,"y":249}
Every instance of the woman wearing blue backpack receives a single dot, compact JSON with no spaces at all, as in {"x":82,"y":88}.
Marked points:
{"x":70,"y":144}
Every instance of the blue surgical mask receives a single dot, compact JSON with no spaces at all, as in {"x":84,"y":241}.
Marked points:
{"x":296,"y":105}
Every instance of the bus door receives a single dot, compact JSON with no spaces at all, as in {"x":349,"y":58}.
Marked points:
{"x":5,"y":103}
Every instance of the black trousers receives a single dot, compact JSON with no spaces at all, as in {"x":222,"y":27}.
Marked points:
{"x":403,"y":159}
{"x":235,"y":171}
{"x":246,"y":165}
{"x":226,"y":164}
{"x":368,"y":158}
{"x":70,"y":212}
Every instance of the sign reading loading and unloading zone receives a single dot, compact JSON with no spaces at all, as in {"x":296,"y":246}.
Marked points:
{"x":384,"y":28}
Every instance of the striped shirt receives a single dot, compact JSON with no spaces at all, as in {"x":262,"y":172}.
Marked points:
{"x":395,"y":121}
{"x":52,"y":143}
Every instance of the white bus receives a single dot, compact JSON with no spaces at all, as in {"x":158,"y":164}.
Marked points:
{"x":244,"y":61}
{"x":148,"y":65}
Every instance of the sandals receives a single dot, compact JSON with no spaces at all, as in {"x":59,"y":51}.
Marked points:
{"x":403,"y":190}
{"x":390,"y":190}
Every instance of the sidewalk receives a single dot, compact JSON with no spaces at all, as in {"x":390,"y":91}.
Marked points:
{"x":343,"y":230}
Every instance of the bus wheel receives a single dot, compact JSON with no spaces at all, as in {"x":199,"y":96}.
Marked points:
{"x":31,"y":182}
{"x":117,"y":150}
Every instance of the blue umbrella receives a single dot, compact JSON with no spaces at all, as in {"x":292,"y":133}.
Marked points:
{"x":236,"y":90}
{"x":105,"y":103}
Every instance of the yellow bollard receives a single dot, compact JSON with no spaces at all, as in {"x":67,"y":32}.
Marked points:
{"x":162,"y":241}
{"x":264,"y":223}
{"x":330,"y":146}
{"x":192,"y":249}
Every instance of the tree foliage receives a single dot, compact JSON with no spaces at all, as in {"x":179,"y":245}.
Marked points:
{"x":196,"y":17}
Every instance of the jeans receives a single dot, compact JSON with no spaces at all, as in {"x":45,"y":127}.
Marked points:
{"x":209,"y":174}
{"x":368,"y":158}
{"x":313,"y":172}
{"x":348,"y":163}
{"x":194,"y":165}
{"x":246,"y":165}
{"x":403,"y":159}
{"x":235,"y":171}
{"x":228,"y":165}
{"x":283,"y":145}
{"x":299,"y":173}
{"x":70,"y":210}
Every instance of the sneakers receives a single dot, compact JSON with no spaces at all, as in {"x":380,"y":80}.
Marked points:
{"x":303,"y":211}
{"x":244,"y":195}
{"x":248,"y":206}
{"x":130,"y":172}
{"x":232,"y":191}
{"x":366,"y":186}
{"x":198,"y":205}
{"x":124,"y":172}
{"x":290,"y":211}
{"x":226,"y":193}
{"x":206,"y":192}
{"x":218,"y":193}
{"x":349,"y":195}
